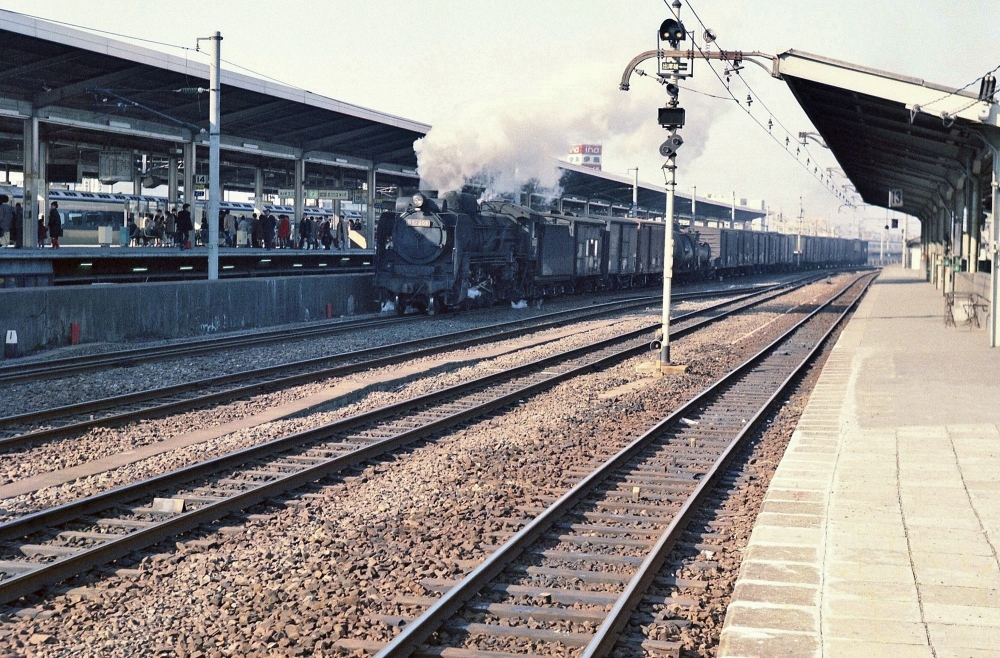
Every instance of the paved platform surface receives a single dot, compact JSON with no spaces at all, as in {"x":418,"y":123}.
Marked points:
{"x":880,"y":530}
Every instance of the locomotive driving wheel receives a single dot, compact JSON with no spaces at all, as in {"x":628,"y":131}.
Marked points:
{"x":400,"y":303}
{"x":433,"y":305}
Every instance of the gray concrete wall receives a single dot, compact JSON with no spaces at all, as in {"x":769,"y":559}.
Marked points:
{"x":124,"y":312}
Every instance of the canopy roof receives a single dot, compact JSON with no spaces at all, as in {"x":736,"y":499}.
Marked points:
{"x":75,"y":80}
{"x":891,"y":132}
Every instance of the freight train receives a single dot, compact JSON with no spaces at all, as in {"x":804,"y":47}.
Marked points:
{"x":452,"y":251}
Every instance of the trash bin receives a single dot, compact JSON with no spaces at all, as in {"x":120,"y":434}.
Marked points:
{"x":123,"y":237}
{"x":10,"y":345}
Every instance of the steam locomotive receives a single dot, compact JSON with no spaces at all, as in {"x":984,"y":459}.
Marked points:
{"x":452,"y":251}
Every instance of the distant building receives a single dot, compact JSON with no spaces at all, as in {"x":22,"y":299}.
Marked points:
{"x":586,"y":155}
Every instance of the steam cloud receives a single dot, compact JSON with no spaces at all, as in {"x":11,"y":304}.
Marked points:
{"x":510,"y":141}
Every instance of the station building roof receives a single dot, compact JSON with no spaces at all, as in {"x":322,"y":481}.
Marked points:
{"x":891,"y":132}
{"x":78,"y":82}
{"x":583,"y":182}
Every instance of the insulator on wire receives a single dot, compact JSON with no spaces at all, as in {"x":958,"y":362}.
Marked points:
{"x":749,"y":100}
{"x":770,"y":124}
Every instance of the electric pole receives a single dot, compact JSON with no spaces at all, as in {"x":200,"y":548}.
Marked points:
{"x":214,"y":137}
{"x":635,"y":193}
{"x":798,"y":240}
{"x":670,"y":71}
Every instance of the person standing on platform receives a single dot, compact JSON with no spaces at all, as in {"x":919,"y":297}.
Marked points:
{"x":184,"y":226}
{"x":18,"y":226}
{"x":55,"y":224}
{"x":230,"y":225}
{"x":284,"y":231}
{"x":6,"y":220}
{"x":305,"y":230}
{"x":325,"y":234}
{"x":344,"y":233}
{"x":243,"y":232}
{"x":171,"y":225}
{"x":314,"y":233}
{"x":256,"y":232}
{"x":269,"y":226}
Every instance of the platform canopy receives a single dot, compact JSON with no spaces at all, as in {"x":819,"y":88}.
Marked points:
{"x":78,"y":83}
{"x":889,"y":131}
{"x":593,"y":184}
{"x":929,"y":150}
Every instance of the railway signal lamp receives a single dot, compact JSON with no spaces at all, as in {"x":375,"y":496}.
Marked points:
{"x":671,"y":118}
{"x":669,"y":148}
{"x":672,"y":31}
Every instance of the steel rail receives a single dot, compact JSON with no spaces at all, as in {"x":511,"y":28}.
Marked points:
{"x":467,"y":337}
{"x":607,"y":634}
{"x":70,"y":565}
{"x":86,"y":363}
{"x":445,"y":608}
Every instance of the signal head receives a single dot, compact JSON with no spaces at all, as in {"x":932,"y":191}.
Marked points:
{"x":669,"y":147}
{"x":672,"y":31}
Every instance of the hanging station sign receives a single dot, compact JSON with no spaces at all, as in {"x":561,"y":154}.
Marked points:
{"x":115,"y":166}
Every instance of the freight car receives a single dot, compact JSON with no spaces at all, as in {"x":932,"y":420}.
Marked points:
{"x":433,"y":253}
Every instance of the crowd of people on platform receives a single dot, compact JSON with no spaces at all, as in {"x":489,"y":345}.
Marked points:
{"x":175,"y":228}
{"x":264,"y":231}
{"x":12,"y":224}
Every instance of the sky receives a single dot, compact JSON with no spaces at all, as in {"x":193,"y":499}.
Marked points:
{"x":513,"y":79}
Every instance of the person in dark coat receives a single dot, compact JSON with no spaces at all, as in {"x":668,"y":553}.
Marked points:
{"x":18,"y":227}
{"x":6,"y":220}
{"x":305,"y":233}
{"x":55,"y":224}
{"x":269,"y":226}
{"x":257,"y":232}
{"x":325,"y":234}
{"x":184,"y":226}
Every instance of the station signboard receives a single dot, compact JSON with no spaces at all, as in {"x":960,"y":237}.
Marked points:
{"x":115,"y":166}
{"x":329,"y":195}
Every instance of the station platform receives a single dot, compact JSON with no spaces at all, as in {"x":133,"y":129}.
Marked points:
{"x":81,"y":265}
{"x":880,"y":529}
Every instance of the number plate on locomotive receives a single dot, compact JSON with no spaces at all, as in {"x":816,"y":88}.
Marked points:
{"x":419,"y":223}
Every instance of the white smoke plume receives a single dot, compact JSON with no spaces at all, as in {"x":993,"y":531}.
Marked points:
{"x":510,"y":140}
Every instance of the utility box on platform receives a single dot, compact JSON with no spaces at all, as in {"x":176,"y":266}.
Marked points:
{"x":10,"y":345}
{"x":104,"y":235}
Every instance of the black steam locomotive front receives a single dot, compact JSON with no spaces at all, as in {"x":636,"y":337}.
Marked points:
{"x":414,"y":254}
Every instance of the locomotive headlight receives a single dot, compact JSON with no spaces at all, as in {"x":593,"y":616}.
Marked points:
{"x":418,"y":200}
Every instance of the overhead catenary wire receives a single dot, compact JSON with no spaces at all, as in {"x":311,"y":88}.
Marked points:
{"x":814,"y":172}
{"x":756,"y":97}
{"x":99,"y":31}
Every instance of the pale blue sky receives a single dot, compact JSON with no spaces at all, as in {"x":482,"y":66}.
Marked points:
{"x":427,"y":59}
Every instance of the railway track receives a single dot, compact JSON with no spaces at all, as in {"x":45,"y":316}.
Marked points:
{"x":127,"y":358}
{"x":54,"y":544}
{"x":25,"y":429}
{"x":569,"y":580}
